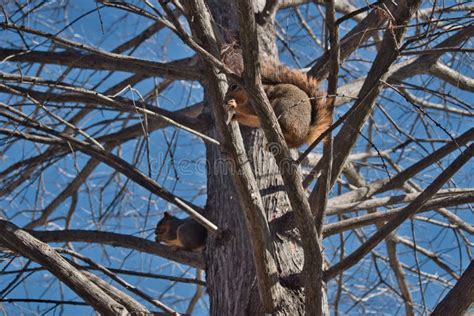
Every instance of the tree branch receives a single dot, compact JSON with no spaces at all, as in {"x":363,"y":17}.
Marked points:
{"x":450,"y":75}
{"x":387,"y":54}
{"x":366,"y":28}
{"x":133,"y":307}
{"x":178,"y":69}
{"x":399,"y":179}
{"x":120,"y":240}
{"x":319,"y":196}
{"x":26,"y":245}
{"x":119,"y":280}
{"x":120,"y":165}
{"x":404,"y":214}
{"x":409,"y":68}
{"x":381,"y":217}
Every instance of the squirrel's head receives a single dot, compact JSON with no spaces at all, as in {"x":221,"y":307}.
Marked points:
{"x":164,"y":226}
{"x":236,"y":92}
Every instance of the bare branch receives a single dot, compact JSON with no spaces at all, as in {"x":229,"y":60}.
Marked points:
{"x":122,"y":166}
{"x":352,"y":40}
{"x":26,"y":245}
{"x":180,"y":69}
{"x":436,"y":106}
{"x":387,"y":54}
{"x":381,"y":217}
{"x":409,"y":68}
{"x":132,"y":305}
{"x":119,"y":280}
{"x":399,"y":179}
{"x":120,"y":240}
{"x":455,"y":78}
{"x":335,"y":207}
{"x":319,"y":196}
{"x":408,"y":211}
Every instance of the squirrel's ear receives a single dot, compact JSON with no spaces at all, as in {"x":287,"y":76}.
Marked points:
{"x":166,"y":214}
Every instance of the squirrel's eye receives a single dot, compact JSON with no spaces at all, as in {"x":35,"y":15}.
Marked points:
{"x":234,"y":87}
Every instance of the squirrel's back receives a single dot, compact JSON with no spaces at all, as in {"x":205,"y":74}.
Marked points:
{"x":180,"y":233}
{"x":321,"y":115}
{"x":274,"y":73}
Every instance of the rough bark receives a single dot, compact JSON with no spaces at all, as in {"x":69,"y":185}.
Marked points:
{"x":230,"y":273}
{"x":248,"y":193}
{"x":460,"y":298}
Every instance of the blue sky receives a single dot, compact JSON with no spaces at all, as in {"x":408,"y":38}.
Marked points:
{"x":182,"y":172}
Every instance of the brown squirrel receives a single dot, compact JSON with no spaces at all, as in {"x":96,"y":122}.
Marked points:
{"x":178,"y":233}
{"x":296,"y":99}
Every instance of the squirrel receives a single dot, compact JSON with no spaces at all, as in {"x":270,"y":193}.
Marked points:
{"x":295,"y":97}
{"x":186,"y":234}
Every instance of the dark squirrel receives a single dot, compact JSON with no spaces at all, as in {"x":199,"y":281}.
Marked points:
{"x":186,"y":234}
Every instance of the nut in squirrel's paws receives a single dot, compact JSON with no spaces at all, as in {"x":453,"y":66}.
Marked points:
{"x":229,"y":108}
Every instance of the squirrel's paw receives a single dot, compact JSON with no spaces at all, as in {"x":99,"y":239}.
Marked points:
{"x":231,"y":104}
{"x":229,"y":108}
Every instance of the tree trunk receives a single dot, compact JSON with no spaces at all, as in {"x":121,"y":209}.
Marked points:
{"x":231,"y":279}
